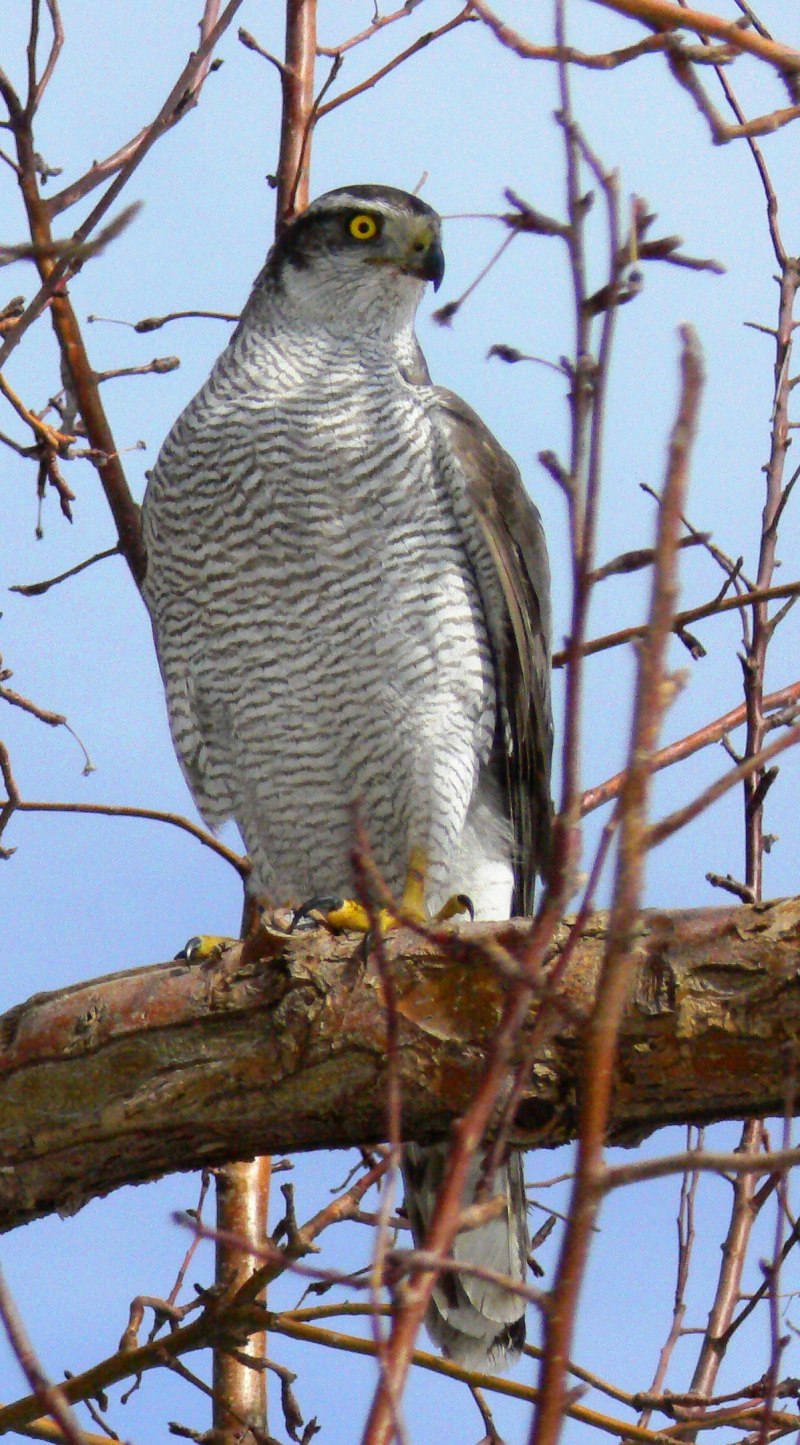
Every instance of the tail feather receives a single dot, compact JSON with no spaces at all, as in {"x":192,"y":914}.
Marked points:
{"x":474,"y":1322}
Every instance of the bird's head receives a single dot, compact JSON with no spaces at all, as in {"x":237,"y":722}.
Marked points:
{"x":358,"y":257}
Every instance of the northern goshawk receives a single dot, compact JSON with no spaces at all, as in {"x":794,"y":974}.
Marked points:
{"x":350,"y":593}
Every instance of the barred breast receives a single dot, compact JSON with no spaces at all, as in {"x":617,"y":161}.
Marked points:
{"x":318,"y":623}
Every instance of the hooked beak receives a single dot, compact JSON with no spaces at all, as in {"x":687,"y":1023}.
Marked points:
{"x":432,"y":268}
{"x":426,"y":262}
{"x":421,"y":257}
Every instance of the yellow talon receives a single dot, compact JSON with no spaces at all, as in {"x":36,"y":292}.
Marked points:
{"x":205,"y":947}
{"x":345,"y":915}
{"x":412,"y":902}
{"x":348,"y":917}
{"x":456,"y":904}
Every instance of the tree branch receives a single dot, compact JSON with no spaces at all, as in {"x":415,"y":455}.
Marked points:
{"x":666,"y":15}
{"x":180,"y":1066}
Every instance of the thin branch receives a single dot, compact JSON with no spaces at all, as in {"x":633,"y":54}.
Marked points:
{"x":685,"y":619}
{"x":445,"y":313}
{"x":721,"y":132}
{"x":67,"y":249}
{"x":665,"y":15}
{"x":42,"y":714}
{"x":677,"y":752}
{"x":35,"y":98}
{"x":379,"y":23}
{"x":636,"y":559}
{"x":152,"y":323}
{"x":181,"y":99}
{"x":729,"y":884}
{"x":151,"y":815}
{"x":49,"y":1396}
{"x":159,"y":366}
{"x":464,"y":17}
{"x":709,"y":1161}
{"x":37,"y":589}
{"x":686,"y":1237}
{"x":606,"y":1016}
{"x":569,"y":55}
{"x":284,"y":1324}
{"x":659,"y":832}
{"x":250,"y":43}
{"x":57,"y":441}
{"x":11,"y":803}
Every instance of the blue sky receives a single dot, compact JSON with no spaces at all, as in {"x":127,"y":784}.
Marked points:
{"x":88,"y":896}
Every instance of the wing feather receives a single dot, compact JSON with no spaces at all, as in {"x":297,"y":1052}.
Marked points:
{"x":510,"y":529}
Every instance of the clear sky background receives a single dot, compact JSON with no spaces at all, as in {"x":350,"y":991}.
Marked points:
{"x":89,"y":896}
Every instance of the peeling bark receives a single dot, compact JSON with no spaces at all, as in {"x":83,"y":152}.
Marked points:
{"x":176,"y":1066}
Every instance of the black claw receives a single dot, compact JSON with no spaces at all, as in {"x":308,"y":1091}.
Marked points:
{"x":189,"y":947}
{"x":466,"y":902}
{"x":322,"y":904}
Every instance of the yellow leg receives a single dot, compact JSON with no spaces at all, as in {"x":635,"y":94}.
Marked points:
{"x":345,"y":915}
{"x":206,"y":947}
{"x":412,"y":901}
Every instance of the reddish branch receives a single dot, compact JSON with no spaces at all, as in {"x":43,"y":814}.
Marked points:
{"x":601,"y":1044}
{"x":721,"y":131}
{"x":242,"y":1210}
{"x":713,"y":732}
{"x":181,"y":99}
{"x":37,"y":589}
{"x":42,"y":714}
{"x":666,"y":15}
{"x":379,"y":23}
{"x":55,"y":272}
{"x":568,"y":54}
{"x":463,"y":17}
{"x":49,"y":1397}
{"x":682,"y":620}
{"x":745,"y":770}
{"x":297,"y":80}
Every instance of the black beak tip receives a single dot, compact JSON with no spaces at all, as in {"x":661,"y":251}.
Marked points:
{"x":434,"y":265}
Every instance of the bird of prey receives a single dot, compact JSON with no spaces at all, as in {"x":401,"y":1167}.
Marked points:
{"x":349,"y":588}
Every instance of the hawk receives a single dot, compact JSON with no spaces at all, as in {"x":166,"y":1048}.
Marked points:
{"x":350,"y":595}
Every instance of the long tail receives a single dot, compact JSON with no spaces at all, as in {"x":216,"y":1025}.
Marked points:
{"x":477,"y":1324}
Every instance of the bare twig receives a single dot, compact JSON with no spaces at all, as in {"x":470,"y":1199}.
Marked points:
{"x":659,"y":832}
{"x":464,"y":17}
{"x":686,"y":1235}
{"x":715,"y":608}
{"x":150,"y":815}
{"x":42,"y":714}
{"x":651,"y":700}
{"x":50,"y":1397}
{"x":12,"y":799}
{"x":569,"y":55}
{"x":666,"y":15}
{"x":709,"y":733}
{"x":378,"y":23}
{"x":37,"y":589}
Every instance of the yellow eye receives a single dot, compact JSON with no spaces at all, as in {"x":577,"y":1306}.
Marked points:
{"x":363,"y":228}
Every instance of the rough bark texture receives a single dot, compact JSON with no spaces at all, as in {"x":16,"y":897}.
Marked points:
{"x":177,"y":1066}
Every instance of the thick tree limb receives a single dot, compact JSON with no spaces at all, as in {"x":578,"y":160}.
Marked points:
{"x":176,"y":1066}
